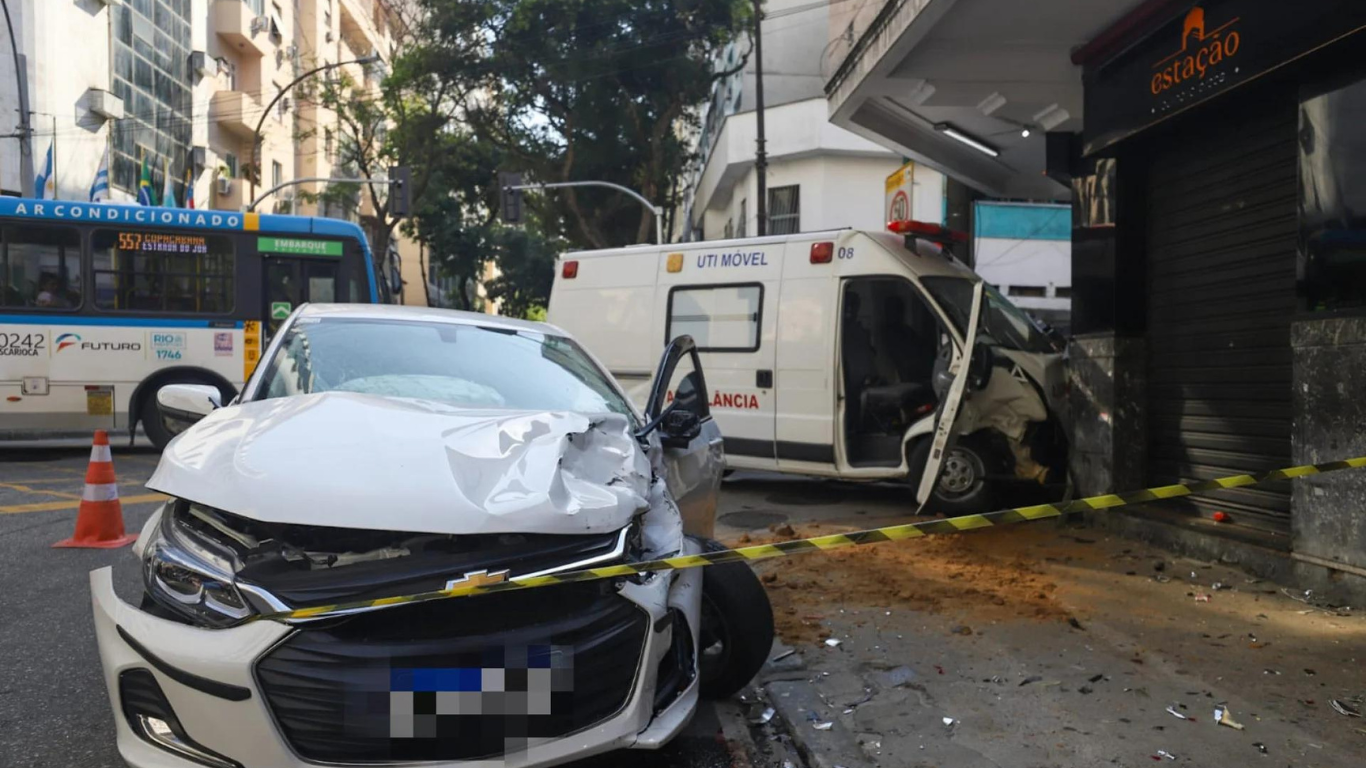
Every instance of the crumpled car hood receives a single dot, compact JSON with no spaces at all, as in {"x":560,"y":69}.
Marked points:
{"x":365,"y":461}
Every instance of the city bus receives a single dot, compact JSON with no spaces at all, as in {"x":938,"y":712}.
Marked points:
{"x":101,"y":305}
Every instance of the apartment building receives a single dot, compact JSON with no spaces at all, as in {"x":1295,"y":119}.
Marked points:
{"x":820,"y":176}
{"x":185,"y":85}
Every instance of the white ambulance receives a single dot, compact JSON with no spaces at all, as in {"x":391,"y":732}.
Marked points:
{"x":840,"y":354}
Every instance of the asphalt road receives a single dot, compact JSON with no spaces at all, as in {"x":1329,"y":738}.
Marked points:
{"x":54,"y":710}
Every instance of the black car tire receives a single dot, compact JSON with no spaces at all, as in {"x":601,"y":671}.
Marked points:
{"x":978,"y":498}
{"x":737,"y":627}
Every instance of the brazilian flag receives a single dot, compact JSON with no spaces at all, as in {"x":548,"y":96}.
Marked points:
{"x":146,"y":194}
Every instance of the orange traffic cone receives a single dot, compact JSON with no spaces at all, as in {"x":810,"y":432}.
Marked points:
{"x":99,"y":523}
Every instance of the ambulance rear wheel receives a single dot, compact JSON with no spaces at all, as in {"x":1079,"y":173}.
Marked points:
{"x":963,"y":488}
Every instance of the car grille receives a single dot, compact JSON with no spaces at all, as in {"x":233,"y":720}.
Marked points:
{"x":332,"y":688}
{"x":424,"y":571}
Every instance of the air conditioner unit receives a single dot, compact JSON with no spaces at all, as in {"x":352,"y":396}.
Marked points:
{"x":259,"y":24}
{"x":203,"y":64}
{"x":291,"y":51}
{"x":224,"y":186}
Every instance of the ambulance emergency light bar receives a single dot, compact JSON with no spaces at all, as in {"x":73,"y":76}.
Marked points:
{"x":926,"y":230}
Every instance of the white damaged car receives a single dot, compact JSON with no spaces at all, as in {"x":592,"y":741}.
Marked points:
{"x":388,"y":451}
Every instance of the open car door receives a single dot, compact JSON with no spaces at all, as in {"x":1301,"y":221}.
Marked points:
{"x":693,"y":454}
{"x":947,"y":411}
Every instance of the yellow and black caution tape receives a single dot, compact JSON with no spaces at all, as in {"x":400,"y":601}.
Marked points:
{"x":832,"y":541}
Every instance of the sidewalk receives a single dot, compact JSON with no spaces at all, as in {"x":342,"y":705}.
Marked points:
{"x":1043,"y":646}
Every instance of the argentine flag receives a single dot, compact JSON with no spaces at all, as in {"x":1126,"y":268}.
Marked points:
{"x":99,"y":189}
{"x":44,"y":186}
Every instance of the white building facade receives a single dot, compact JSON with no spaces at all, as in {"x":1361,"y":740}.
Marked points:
{"x":820,"y":176}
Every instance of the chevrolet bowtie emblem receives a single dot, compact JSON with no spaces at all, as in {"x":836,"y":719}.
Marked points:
{"x":478,"y":579}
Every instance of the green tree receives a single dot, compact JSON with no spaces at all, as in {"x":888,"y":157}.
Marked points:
{"x":602,"y":90}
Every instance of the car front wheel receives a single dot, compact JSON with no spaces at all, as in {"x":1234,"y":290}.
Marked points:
{"x":736,"y":629}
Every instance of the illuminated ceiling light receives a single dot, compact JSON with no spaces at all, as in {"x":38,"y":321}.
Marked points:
{"x":971,"y":141}
{"x":1051,"y":117}
{"x":991,"y":103}
{"x":1024,"y":133}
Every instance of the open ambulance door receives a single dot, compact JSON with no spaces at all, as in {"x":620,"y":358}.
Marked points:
{"x":947,"y":411}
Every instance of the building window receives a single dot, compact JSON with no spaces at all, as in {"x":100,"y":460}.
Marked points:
{"x":1032,"y":291}
{"x":720,"y":318}
{"x":328,"y":143}
{"x":1062,"y":292}
{"x":1332,"y":234}
{"x":784,"y":210}
{"x":740,"y":228}
{"x":277,"y":173}
{"x":40,"y":267}
{"x":150,"y":53}
{"x":230,"y":160}
{"x":729,"y":231}
{"x":162,"y":272}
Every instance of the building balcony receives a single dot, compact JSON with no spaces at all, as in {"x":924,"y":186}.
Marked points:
{"x":242,"y":24}
{"x":235,"y":112}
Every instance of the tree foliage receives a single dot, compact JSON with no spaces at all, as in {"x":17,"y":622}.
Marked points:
{"x":561,"y":90}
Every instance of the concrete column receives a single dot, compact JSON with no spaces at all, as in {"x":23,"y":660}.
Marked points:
{"x":1108,"y":376}
{"x":1328,"y":512}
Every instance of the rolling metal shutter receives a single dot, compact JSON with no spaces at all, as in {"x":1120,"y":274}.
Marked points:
{"x":1221,"y":213}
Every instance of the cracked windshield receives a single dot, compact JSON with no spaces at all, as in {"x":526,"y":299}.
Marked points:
{"x":685,"y":383}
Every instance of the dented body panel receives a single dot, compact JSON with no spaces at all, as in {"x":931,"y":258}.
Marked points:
{"x":363,"y":461}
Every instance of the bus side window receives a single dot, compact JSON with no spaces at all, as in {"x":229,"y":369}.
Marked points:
{"x":40,"y":267}
{"x":162,"y":272}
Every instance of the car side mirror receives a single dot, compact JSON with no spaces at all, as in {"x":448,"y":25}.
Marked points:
{"x":678,"y":427}
{"x":182,"y":405}
{"x":979,"y":367}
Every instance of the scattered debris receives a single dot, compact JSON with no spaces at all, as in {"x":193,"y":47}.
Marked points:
{"x":1161,"y":579}
{"x":764,"y":717}
{"x":1085,"y":690}
{"x":895,"y":678}
{"x":784,"y":654}
{"x":1309,"y":672}
{"x":1160,"y":566}
{"x":1030,"y":679}
{"x":1165,"y":754}
{"x":1260,"y":747}
{"x":1202,"y":598}
{"x":1072,"y":621}
{"x":938,"y":669}
{"x":1096,"y":678}
{"x":949,"y":721}
{"x":823,"y":726}
{"x":831,"y":642}
{"x":1344,"y":709}
{"x":961,"y":629}
{"x":1223,"y":717}
{"x":1219,"y":585}
{"x":1172,"y":711}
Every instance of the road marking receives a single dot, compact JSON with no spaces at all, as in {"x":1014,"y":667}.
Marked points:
{"x":26,"y":489}
{"x":53,"y":506}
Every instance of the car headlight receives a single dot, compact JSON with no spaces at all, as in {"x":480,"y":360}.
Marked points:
{"x":191,"y":575}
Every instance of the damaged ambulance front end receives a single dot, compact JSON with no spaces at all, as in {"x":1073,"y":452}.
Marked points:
{"x":326,"y":497}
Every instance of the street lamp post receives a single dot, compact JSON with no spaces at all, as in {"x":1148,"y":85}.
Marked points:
{"x":256,"y":134}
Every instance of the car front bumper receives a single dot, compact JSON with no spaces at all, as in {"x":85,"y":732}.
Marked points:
{"x":235,"y":718}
